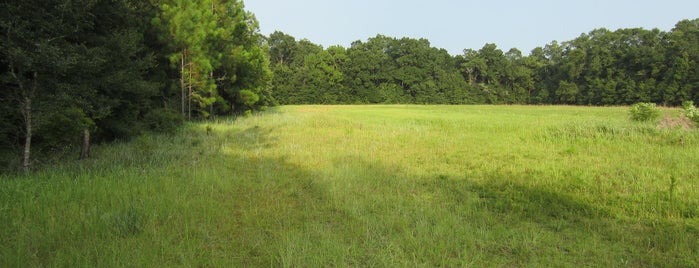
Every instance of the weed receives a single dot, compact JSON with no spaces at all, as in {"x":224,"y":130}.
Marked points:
{"x":673,"y":186}
{"x":644,"y":112}
{"x":691,"y":112}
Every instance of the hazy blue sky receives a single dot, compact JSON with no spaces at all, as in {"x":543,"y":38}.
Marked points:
{"x":455,"y":25}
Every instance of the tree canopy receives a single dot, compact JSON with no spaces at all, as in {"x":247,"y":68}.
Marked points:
{"x":601,"y":67}
{"x":117,"y":68}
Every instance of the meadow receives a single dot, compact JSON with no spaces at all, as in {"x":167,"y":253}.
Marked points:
{"x":377,"y":186}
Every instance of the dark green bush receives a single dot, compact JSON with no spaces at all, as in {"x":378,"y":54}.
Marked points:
{"x":62,"y":128}
{"x":163,"y":120}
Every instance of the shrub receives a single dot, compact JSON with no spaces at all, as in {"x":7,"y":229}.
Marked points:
{"x":63,"y":128}
{"x":690,"y":111}
{"x":163,"y":120}
{"x":644,"y":112}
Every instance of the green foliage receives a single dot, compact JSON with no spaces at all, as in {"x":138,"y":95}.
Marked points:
{"x":567,"y":92}
{"x":217,"y":51}
{"x":601,"y":67}
{"x":58,"y":55}
{"x":163,"y":120}
{"x":64,"y":128}
{"x":690,"y":111}
{"x":382,"y":70}
{"x":644,"y":112}
{"x":127,"y":64}
{"x":248,"y":97}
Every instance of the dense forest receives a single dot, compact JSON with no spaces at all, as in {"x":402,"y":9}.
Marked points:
{"x":76,"y":72}
{"x":601,"y":67}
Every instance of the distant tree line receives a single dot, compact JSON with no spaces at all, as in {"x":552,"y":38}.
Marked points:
{"x":601,"y":67}
{"x":82,"y":71}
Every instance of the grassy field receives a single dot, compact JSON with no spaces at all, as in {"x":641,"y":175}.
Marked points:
{"x":386,"y":186}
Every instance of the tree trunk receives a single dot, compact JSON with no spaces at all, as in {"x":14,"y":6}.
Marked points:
{"x":27,"y":94}
{"x":470,"y":75}
{"x":189,"y":99}
{"x":182,"y":87}
{"x":211,"y":107}
{"x":26,"y":103}
{"x":27,"y":111}
{"x":85,"y":151}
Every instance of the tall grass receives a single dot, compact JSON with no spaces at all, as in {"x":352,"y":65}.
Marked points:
{"x":370,"y":186}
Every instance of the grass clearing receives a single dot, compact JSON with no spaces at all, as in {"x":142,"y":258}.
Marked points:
{"x":387,"y":186}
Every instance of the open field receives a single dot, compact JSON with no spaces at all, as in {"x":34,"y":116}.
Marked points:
{"x":387,"y":186}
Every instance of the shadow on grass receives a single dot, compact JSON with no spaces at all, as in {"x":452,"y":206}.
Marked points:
{"x":252,"y":137}
{"x":386,"y":218}
{"x":237,"y":208}
{"x":660,"y":242}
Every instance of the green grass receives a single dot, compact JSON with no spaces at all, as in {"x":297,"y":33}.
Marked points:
{"x":387,"y":186}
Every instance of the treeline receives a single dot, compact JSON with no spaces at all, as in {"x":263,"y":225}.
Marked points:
{"x":83,"y":71}
{"x":602,"y":67}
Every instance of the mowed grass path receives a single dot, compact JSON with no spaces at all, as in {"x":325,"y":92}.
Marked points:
{"x":386,"y":186}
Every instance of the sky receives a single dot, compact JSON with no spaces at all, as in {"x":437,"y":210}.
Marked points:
{"x":467,"y":24}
